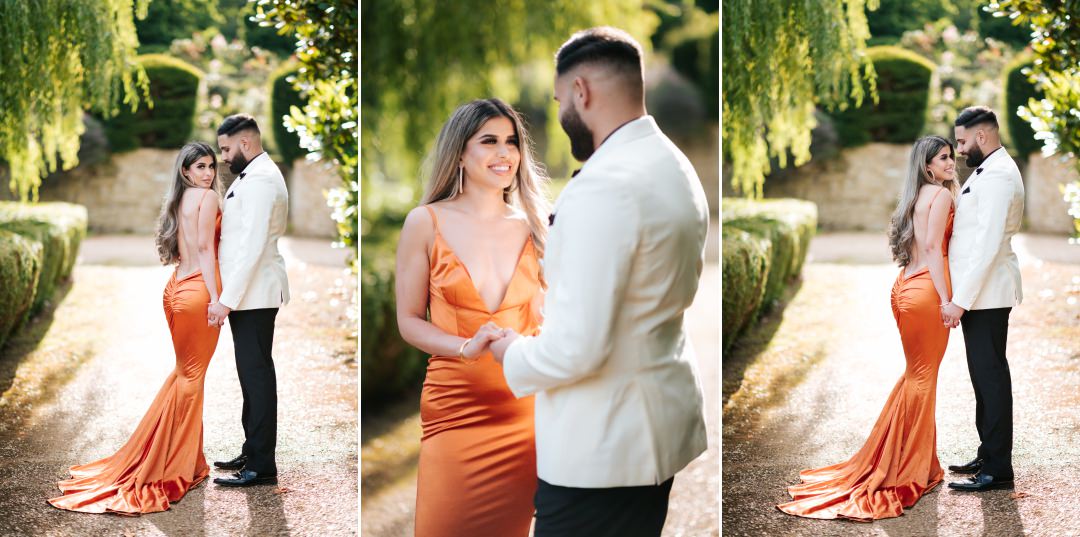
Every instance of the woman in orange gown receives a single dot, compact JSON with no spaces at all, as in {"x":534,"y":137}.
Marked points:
{"x":163,"y":458}
{"x":899,"y":463}
{"x":469,"y":258}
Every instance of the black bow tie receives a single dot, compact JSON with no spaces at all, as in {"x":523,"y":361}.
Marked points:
{"x":978,"y":171}
{"x":241,"y":176}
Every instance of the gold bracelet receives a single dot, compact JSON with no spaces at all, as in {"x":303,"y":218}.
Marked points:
{"x":461,"y":350}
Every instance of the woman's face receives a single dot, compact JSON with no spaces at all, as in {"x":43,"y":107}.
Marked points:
{"x":943,"y":166}
{"x":201,"y":172}
{"x":492,"y":155}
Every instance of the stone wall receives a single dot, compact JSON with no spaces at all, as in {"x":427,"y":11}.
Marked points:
{"x":308,"y":214}
{"x":857,"y":190}
{"x":1045,"y":211}
{"x":124,"y":194}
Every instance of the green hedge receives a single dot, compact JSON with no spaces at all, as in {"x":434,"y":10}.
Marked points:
{"x":903,"y":85}
{"x":174,"y":89}
{"x":282,"y":98}
{"x":1017,"y":92}
{"x":388,"y":365}
{"x":776,"y":230}
{"x":51,"y":234}
{"x":20,"y":269}
{"x":744,"y":272}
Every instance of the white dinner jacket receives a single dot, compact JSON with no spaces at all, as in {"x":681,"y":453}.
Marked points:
{"x":618,"y":402}
{"x":254,"y":215}
{"x":985,"y":272}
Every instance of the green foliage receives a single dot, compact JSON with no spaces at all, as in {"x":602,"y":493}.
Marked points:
{"x":968,"y":73}
{"x":690,"y":35}
{"x":327,"y":124}
{"x":1056,"y":45}
{"x":20,"y":268}
{"x":388,"y":365}
{"x":57,"y":58}
{"x":51,"y":237}
{"x":781,"y":229}
{"x":60,"y":227}
{"x":780,"y":58}
{"x":167,"y":20}
{"x":744,"y":273}
{"x":283,"y":96}
{"x":168,"y":121}
{"x":903,"y":85}
{"x":894,"y":17}
{"x":1018,"y":91}
{"x":423,"y":59}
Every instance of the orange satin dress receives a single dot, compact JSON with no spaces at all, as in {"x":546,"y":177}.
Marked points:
{"x":163,"y":458}
{"x":477,"y":469}
{"x":898,"y":463}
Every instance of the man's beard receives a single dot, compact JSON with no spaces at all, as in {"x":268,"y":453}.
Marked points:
{"x":238,"y":163}
{"x":581,"y":138}
{"x":975,"y":157}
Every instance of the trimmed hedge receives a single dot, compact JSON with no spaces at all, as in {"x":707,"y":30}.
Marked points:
{"x":388,"y":365}
{"x":51,"y":234}
{"x":282,"y":98}
{"x":744,"y":273}
{"x":903,"y":85}
{"x":20,"y":269}
{"x":174,"y":89}
{"x":1017,"y":92}
{"x":778,"y":231}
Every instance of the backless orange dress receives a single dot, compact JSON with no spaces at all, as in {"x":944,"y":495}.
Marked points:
{"x":898,"y":463}
{"x":477,"y":469}
{"x":163,"y":458}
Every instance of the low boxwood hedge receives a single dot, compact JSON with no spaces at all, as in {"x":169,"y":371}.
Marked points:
{"x":744,"y":274}
{"x":20,"y":269}
{"x":282,"y":98}
{"x":782,"y":230}
{"x":54,"y":232}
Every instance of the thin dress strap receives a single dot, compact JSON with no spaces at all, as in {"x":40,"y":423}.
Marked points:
{"x":434,"y":219}
{"x":931,"y":206}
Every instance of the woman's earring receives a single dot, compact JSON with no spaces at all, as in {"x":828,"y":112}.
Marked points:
{"x":460,"y":180}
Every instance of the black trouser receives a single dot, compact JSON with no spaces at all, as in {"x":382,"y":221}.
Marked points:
{"x":253,"y":339}
{"x":615,"y":512}
{"x":985,"y":334}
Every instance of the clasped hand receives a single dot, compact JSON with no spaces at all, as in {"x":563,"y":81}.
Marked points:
{"x":950,"y":315}
{"x":490,"y":337}
{"x":216,"y":314}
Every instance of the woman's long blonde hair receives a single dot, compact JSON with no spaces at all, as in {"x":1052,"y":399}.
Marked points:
{"x":167,"y":240}
{"x":902,"y":225}
{"x":528,"y":191}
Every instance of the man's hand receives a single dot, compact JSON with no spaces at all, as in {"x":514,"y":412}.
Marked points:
{"x":499,"y":346}
{"x":216,"y":314}
{"x":951,"y":313}
{"x":481,"y":340}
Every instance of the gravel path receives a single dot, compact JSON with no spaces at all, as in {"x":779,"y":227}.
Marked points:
{"x":77,"y":381}
{"x":804,"y":389}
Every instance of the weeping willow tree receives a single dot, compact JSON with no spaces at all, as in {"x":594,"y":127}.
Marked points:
{"x":780,"y":59}
{"x":422,"y":59}
{"x":1055,"y":40}
{"x":57,"y":59}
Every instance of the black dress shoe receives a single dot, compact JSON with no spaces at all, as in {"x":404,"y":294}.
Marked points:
{"x":246,"y":478}
{"x":235,"y":464}
{"x":980,"y":482}
{"x":972,"y":467}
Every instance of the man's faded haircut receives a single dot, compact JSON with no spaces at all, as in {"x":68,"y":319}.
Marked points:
{"x":603,"y":45}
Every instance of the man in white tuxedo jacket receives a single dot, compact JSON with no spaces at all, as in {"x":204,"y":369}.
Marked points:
{"x":254,"y":286}
{"x":986,"y":285}
{"x":619,"y":403}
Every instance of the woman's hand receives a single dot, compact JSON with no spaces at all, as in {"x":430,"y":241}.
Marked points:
{"x":481,"y":340}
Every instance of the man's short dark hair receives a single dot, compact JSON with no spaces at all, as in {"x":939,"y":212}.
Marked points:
{"x":238,"y":123}
{"x":976,"y":115}
{"x":604,"y":45}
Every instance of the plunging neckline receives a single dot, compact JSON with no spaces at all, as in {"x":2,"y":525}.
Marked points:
{"x":472,"y":284}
